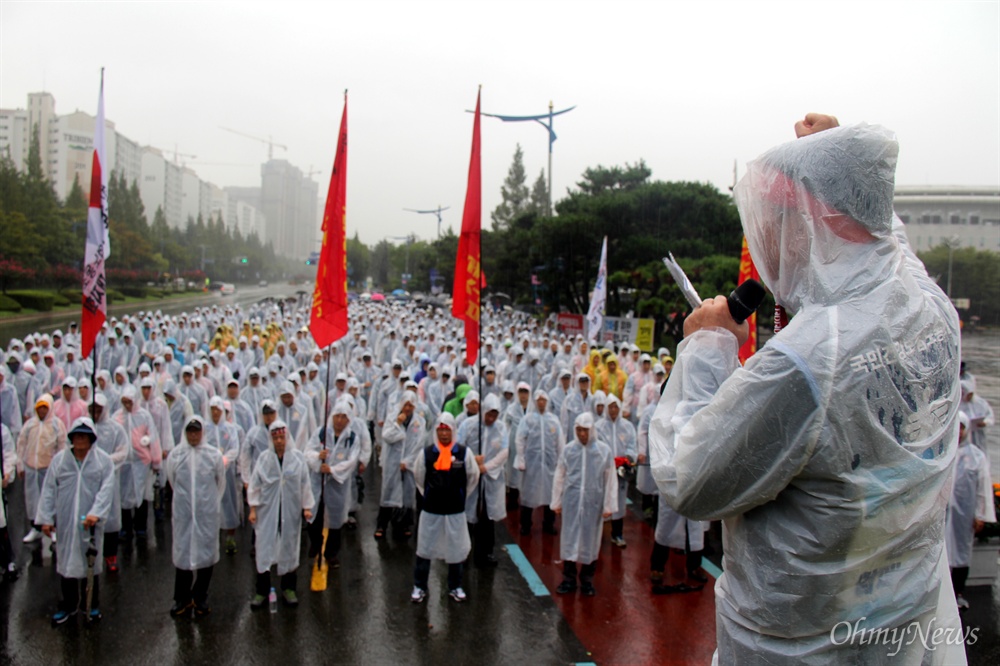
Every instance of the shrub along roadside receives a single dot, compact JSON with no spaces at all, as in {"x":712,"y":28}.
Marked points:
{"x":35,"y":300}
{"x":8,"y":304}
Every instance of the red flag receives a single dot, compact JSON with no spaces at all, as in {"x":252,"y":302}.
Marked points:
{"x":328,"y":322}
{"x":98,"y":245}
{"x":469,"y":278}
{"x":747,"y":272}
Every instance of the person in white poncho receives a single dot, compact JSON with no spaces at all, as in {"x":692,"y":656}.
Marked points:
{"x":280,"y":496}
{"x":198,"y":478}
{"x":446,"y":474}
{"x":79,"y":488}
{"x":971,"y":505}
{"x":584,"y":493}
{"x":332,"y":455}
{"x":828,"y":456}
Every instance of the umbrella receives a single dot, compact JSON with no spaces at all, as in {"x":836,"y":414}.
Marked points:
{"x":378,"y":297}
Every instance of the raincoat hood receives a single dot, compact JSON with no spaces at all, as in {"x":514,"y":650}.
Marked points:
{"x":817,"y":214}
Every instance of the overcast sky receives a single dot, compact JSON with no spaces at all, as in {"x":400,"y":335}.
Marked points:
{"x":687,"y":86}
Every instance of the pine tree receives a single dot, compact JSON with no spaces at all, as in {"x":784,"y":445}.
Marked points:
{"x":514,"y":192}
{"x":540,"y":195}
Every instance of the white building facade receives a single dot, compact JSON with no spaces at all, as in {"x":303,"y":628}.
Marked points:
{"x":939,"y":214}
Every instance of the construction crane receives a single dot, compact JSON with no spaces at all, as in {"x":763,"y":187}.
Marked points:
{"x":434,"y":211}
{"x":312,"y":172}
{"x":175,"y":153}
{"x":271,"y":145}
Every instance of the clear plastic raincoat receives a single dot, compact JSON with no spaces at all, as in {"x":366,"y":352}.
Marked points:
{"x":539,"y":443}
{"x":8,"y":451}
{"x":225,"y":436}
{"x":585,"y":487}
{"x":279,"y":488}
{"x":829,"y":455}
{"x":135,"y":476}
{"x":619,"y":434}
{"x":401,"y":444}
{"x":344,"y":450}
{"x":198,"y":478}
{"x":971,"y":500}
{"x":492,"y":483}
{"x":112,"y":439}
{"x":73,"y":489}
{"x":37,"y":444}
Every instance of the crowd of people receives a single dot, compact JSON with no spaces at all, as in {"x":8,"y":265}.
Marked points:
{"x":227,"y":418}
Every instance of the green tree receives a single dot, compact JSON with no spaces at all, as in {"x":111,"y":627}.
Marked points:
{"x":516,"y":197}
{"x":41,"y":207}
{"x":380,"y":263}
{"x":540,"y":195}
{"x":975,"y":274}
{"x":358,"y":261}
{"x":600,"y":179}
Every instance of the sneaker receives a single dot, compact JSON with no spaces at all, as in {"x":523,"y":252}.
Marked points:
{"x":140,"y":534}
{"x":618,"y":541}
{"x":201,"y":610}
{"x":290,"y":598}
{"x":257,"y":602}
{"x":963,"y":604}
{"x":95,"y":616}
{"x":180,"y":611}
{"x":31,"y":537}
{"x":124,"y":535}
{"x":333,"y":562}
{"x":418,"y":595}
{"x":11,"y":573}
{"x":61,"y":617}
{"x":587,"y":589}
{"x":458,"y":594}
{"x":111,"y":563}
{"x":566,"y":587}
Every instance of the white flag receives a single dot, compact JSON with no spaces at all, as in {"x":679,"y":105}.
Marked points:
{"x":98,"y":247}
{"x":595,"y":316}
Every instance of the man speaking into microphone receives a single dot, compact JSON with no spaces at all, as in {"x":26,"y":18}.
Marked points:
{"x":828,"y":456}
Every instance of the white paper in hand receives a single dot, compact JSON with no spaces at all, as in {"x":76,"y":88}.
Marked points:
{"x":682,"y":280}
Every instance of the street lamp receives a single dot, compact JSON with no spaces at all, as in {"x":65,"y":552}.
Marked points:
{"x":952,"y":242}
{"x":435,"y":211}
{"x":409,"y":241}
{"x":547,"y":125}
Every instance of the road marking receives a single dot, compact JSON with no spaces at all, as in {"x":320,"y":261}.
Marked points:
{"x":527,"y":571}
{"x":708,"y":566}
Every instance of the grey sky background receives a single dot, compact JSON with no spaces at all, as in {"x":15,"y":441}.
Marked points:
{"x":689,"y":87}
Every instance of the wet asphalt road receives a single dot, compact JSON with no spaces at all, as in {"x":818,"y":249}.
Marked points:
{"x":365,"y":615}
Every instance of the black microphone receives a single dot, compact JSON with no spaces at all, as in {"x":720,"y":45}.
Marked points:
{"x":745,"y":299}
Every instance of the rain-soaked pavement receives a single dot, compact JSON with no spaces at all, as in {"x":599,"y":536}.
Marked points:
{"x":365,"y":615}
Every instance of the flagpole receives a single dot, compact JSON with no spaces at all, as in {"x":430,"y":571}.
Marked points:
{"x":97,"y":249}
